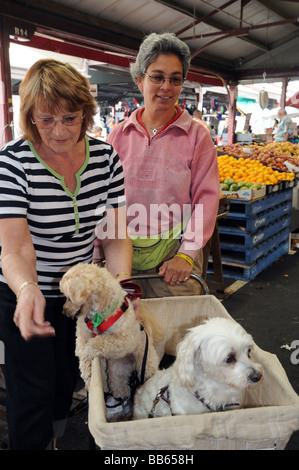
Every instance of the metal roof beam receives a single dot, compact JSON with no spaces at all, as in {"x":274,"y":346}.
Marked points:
{"x":273,"y":73}
{"x":203,"y":19}
{"x":215,"y":24}
{"x":59,"y":18}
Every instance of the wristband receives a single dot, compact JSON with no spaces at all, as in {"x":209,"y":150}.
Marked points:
{"x":25,"y":284}
{"x":122,"y":274}
{"x":186,"y":258}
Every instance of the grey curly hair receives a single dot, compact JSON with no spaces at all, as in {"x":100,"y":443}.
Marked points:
{"x":155,"y":44}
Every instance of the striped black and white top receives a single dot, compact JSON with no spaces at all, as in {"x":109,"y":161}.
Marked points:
{"x":62,"y":224}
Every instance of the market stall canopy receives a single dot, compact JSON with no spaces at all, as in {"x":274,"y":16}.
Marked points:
{"x":290,"y":110}
{"x":232,"y":40}
{"x":293,"y":101}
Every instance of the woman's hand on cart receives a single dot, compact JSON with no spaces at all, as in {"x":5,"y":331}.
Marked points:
{"x":176,"y":271}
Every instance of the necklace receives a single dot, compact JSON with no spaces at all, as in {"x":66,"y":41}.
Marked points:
{"x":156,"y":129}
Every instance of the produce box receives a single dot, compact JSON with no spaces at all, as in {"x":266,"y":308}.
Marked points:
{"x":249,"y":194}
{"x":244,"y":138}
{"x":244,"y":170}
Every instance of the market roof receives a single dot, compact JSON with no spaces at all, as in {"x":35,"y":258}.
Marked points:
{"x":234,"y":40}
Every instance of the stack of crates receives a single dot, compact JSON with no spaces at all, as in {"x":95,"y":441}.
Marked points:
{"x":254,"y":234}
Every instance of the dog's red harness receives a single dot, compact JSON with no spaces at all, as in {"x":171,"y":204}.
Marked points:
{"x":133,"y":291}
{"x":109,"y":322}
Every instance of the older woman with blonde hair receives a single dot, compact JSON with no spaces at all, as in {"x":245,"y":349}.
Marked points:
{"x":171,"y":172}
{"x":56,"y":186}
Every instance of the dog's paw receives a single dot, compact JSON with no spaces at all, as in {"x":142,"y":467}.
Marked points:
{"x":85,"y":372}
{"x":89,"y":352}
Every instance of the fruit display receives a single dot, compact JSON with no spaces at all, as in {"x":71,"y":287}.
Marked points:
{"x":246,"y":172}
{"x":235,"y":150}
{"x":283,"y":148}
{"x":273,"y":155}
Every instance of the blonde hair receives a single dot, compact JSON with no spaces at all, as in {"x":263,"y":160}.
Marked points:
{"x":55,"y":85}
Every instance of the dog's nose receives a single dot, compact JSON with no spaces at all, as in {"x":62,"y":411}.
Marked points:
{"x":255,"y":376}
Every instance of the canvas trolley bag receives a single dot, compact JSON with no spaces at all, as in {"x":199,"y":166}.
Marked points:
{"x":270,"y":416}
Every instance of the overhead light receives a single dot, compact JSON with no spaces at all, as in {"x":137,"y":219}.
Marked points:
{"x":19,"y":38}
{"x":47,"y":36}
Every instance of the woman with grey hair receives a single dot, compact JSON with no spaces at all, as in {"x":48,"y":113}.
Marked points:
{"x":156,"y":44}
{"x":171,"y":172}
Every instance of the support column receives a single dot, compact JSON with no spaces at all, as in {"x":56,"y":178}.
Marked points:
{"x":199,"y":97}
{"x":6,"y":110}
{"x":232,"y":98}
{"x":283,"y":92}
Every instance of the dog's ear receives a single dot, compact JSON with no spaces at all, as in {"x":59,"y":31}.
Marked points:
{"x":72,"y":288}
{"x":187,"y":352}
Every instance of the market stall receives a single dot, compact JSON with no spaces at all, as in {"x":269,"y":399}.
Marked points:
{"x":259,"y":182}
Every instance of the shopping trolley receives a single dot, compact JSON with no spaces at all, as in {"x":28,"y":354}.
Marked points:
{"x":271,"y":412}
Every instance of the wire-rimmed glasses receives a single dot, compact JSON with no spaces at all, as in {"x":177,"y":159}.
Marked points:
{"x":49,"y":122}
{"x":159,"y":79}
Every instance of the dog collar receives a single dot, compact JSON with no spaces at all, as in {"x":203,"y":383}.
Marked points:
{"x":160,"y":394}
{"x":100,"y":325}
{"x":218,"y":408}
{"x":163,"y":390}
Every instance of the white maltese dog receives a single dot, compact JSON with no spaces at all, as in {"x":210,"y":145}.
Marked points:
{"x":211,"y":372}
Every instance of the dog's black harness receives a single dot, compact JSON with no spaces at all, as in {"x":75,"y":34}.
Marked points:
{"x":160,"y":394}
{"x":218,"y":408}
{"x":143,"y":366}
{"x":133,"y":383}
{"x":163,"y":390}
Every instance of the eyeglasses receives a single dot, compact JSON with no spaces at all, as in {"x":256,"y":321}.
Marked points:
{"x":160,"y":79}
{"x":49,"y":122}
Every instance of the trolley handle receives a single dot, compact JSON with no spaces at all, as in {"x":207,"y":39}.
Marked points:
{"x":158,"y":276}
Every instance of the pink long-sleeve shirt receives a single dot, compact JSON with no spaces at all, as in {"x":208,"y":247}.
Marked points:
{"x":170,"y":173}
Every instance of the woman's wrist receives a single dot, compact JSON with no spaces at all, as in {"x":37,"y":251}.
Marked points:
{"x":186,"y":258}
{"x":123,"y":275}
{"x":24,"y":285}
